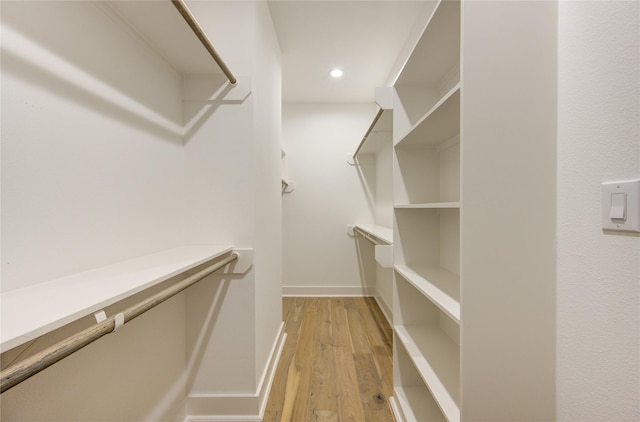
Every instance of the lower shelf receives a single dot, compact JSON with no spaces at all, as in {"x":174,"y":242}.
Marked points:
{"x":415,"y":404}
{"x":436,"y":359}
{"x":32,"y":311}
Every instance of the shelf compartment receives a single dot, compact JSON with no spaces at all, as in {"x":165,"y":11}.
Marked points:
{"x":30,"y":312}
{"x":436,"y":358}
{"x":440,"y":123}
{"x":431,"y":339}
{"x":433,"y":67}
{"x":411,"y":395}
{"x":428,"y":157}
{"x":428,"y":238}
{"x":440,"y":286}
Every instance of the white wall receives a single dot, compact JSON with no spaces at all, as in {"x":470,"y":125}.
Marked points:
{"x":102,"y":160}
{"x":233,"y":188}
{"x":598,"y":278}
{"x":81,"y":116}
{"x":267,"y":182}
{"x":78,"y":127}
{"x":319,"y":257}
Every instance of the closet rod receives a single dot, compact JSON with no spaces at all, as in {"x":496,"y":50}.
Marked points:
{"x":368,"y":236}
{"x":366,"y":135}
{"x":197,"y":30}
{"x":25,"y":369}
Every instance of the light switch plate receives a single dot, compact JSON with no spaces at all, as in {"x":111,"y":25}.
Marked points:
{"x":621,"y":206}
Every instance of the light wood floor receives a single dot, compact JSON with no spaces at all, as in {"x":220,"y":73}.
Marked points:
{"x":336,"y":362}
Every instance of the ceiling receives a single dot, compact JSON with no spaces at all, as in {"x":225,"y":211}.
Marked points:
{"x":364,"y":38}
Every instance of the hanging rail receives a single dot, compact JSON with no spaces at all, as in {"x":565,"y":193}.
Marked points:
{"x":191,"y":21}
{"x":25,"y":369}
{"x":366,"y":135}
{"x":373,"y":239}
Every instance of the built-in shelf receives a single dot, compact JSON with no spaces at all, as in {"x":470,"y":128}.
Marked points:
{"x":440,"y":286}
{"x":414,"y":404}
{"x":437,"y":360}
{"x":381,"y":133}
{"x":30,"y":312}
{"x":430,"y":205}
{"x":440,"y":124}
{"x":160,"y":24}
{"x":384,"y":234}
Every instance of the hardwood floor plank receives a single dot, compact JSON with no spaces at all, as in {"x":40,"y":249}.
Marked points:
{"x":302,"y":366}
{"x":336,"y":365}
{"x":349,"y":405}
{"x":323,"y":383}
{"x":372,"y":394}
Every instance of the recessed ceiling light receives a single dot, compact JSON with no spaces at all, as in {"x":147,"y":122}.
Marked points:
{"x":336,"y":73}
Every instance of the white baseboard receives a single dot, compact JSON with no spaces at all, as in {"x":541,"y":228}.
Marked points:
{"x":237,"y":407}
{"x":386,"y":309}
{"x":396,"y":410}
{"x":327,"y":291}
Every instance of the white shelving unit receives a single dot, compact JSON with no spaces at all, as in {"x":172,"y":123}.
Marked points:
{"x":30,"y":312}
{"x":474,"y":139}
{"x":427,"y":207}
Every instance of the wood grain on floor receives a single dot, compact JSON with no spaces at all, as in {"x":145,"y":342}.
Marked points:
{"x":336,"y":364}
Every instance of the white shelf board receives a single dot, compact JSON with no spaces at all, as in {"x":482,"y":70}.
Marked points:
{"x":430,"y":205}
{"x":440,"y":286}
{"x":439,"y":124}
{"x":438,"y":46}
{"x":160,"y":24}
{"x":383,"y":233}
{"x":32,"y":311}
{"x":381,"y":133}
{"x":437,"y":359}
{"x":414,"y":405}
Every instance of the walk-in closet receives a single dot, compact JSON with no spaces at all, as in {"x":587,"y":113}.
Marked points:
{"x":319,"y":210}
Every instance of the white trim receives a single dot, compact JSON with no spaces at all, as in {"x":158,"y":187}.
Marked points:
{"x":384,"y":307}
{"x":327,"y":291}
{"x":238,"y":407}
{"x":396,"y":410}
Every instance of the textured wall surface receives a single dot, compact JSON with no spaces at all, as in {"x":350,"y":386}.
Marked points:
{"x":598,"y":285}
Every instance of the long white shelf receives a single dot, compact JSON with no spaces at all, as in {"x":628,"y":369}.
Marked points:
{"x":383,"y":233}
{"x":437,"y":359}
{"x":440,"y":286}
{"x":439,"y":124}
{"x":160,"y":24}
{"x":429,"y":205}
{"x":32,"y":311}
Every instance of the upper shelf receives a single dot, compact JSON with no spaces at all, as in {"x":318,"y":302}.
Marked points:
{"x":383,"y":233}
{"x":379,"y":132}
{"x":161,"y":25}
{"x":439,"y":47}
{"x":30,"y":312}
